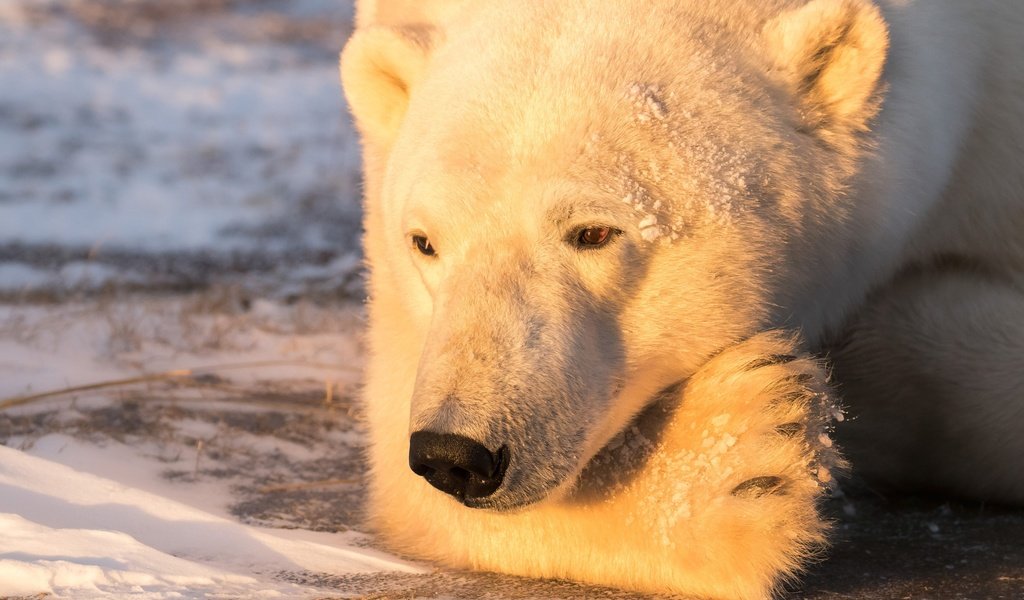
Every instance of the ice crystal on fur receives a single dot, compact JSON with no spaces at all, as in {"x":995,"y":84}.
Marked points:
{"x":647,"y":102}
{"x":649,"y":228}
{"x":676,"y":471}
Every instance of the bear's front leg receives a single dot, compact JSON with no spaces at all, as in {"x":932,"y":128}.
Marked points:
{"x":723,"y":502}
{"x":711,"y":492}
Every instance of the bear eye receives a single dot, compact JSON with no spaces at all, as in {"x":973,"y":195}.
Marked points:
{"x":423,"y":245}
{"x":593,"y":237}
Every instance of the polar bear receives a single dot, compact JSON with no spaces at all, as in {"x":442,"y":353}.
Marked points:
{"x":610,"y":242}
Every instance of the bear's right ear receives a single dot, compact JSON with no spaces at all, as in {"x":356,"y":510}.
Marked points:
{"x":379,"y":67}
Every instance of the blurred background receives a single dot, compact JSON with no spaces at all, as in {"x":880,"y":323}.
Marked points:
{"x":171,"y":145}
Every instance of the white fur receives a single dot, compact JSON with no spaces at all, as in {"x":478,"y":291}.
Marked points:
{"x":843,"y":170}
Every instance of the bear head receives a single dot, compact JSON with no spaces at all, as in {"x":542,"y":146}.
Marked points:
{"x":582,"y":201}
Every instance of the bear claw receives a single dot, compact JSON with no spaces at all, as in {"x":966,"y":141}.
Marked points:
{"x":760,"y":486}
{"x":789,"y":429}
{"x":771,"y":359}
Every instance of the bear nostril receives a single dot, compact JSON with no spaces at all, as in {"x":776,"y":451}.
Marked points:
{"x":422,"y":470}
{"x":457,"y":465}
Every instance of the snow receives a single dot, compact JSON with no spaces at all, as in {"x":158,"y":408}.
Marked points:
{"x":192,"y":143}
{"x":73,"y":534}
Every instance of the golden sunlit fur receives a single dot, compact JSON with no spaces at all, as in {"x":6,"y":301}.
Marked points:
{"x":842,"y":170}
{"x":674,"y":524}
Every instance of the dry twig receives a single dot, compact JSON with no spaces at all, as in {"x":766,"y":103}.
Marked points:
{"x":172,"y":375}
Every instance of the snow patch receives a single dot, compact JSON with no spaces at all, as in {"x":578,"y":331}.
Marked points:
{"x":69,"y":533}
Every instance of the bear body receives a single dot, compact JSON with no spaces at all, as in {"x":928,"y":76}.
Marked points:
{"x":607,"y":240}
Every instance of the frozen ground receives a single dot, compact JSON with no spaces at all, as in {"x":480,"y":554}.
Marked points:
{"x":179,"y":220}
{"x":169,"y":144}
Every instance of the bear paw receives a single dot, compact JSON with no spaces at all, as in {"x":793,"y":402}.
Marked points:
{"x":729,"y":480}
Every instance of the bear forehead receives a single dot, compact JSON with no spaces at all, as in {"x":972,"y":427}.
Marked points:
{"x":640,"y":143}
{"x":542,"y":91}
{"x":545,"y":124}
{"x":649,"y":122}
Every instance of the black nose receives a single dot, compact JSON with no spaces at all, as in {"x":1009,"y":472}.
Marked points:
{"x":457,"y":465}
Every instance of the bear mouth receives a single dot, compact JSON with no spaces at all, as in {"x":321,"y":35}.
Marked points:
{"x":505,"y":504}
{"x":611,"y":468}
{"x":518,"y":492}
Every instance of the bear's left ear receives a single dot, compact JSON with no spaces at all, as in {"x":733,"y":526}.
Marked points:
{"x":832,"y":53}
{"x":379,"y":67}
